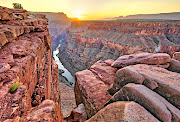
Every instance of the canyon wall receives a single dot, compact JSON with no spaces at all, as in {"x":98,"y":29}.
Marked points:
{"x":26,"y":59}
{"x":87,"y":42}
{"x":58,"y":22}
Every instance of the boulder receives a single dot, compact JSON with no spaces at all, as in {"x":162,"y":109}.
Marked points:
{"x":162,"y":81}
{"x":109,"y":62}
{"x":125,"y":76}
{"x":104,"y":72}
{"x":174,"y":66}
{"x":150,"y":100}
{"x":90,"y":91}
{"x":77,"y":114}
{"x":123,"y":111}
{"x":46,"y":111}
{"x":176,"y":56}
{"x":142,"y":58}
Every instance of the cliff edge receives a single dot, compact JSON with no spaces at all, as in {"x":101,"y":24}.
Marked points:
{"x":26,"y":59}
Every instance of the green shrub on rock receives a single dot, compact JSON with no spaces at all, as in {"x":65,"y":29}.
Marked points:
{"x":14,"y":87}
{"x":17,"y":5}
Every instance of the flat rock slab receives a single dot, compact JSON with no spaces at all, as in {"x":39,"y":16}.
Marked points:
{"x":150,"y":100}
{"x":91,"y":91}
{"x":104,"y":72}
{"x":142,"y":58}
{"x":162,"y":81}
{"x":123,"y":111}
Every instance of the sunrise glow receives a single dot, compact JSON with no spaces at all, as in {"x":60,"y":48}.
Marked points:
{"x":97,"y":9}
{"x":78,"y":13}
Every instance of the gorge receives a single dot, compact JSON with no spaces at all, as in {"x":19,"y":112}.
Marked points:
{"x":122,"y":70}
{"x":89,"y":41}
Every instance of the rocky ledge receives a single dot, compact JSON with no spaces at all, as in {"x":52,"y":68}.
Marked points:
{"x":26,"y":60}
{"x":137,"y":87}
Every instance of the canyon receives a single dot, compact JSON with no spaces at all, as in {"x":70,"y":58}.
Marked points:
{"x":86,"y":42}
{"x":125,"y":70}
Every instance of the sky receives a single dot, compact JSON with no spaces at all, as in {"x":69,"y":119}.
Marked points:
{"x":98,"y":9}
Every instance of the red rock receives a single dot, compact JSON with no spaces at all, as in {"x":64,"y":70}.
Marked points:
{"x":3,"y":39}
{"x":109,"y":62}
{"x":123,"y":112}
{"x":26,"y":57}
{"x":150,"y":100}
{"x":46,"y":111}
{"x":125,"y":76}
{"x":91,"y":91}
{"x":4,"y":67}
{"x":142,"y":58}
{"x":176,"y":56}
{"x":104,"y":72}
{"x":77,"y":114}
{"x":160,"y":80}
{"x":174,"y":66}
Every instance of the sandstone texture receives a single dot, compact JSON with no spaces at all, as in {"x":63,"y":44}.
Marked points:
{"x":156,"y":59}
{"x":162,"y":81}
{"x":87,"y":42}
{"x":26,"y":58}
{"x":47,"y":111}
{"x":78,"y":114}
{"x":91,"y":87}
{"x":174,"y":66}
{"x":91,"y":91}
{"x":176,"y":56}
{"x":123,"y":111}
{"x":150,"y":100}
{"x":141,"y":91}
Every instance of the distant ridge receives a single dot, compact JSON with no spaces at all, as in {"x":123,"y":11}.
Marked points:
{"x":161,"y":16}
{"x":53,"y":16}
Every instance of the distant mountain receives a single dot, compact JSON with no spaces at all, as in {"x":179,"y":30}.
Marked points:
{"x":161,"y":16}
{"x":52,"y":16}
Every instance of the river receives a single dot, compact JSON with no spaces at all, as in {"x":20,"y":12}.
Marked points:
{"x":66,"y":73}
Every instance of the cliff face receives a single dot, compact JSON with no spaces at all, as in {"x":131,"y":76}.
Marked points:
{"x":88,"y":42}
{"x":58,"y":22}
{"x":26,"y":58}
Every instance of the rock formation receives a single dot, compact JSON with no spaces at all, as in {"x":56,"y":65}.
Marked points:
{"x":140,"y":89}
{"x":26,"y":58}
{"x":87,"y":42}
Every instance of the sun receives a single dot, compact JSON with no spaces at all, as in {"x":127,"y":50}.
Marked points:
{"x":78,"y":13}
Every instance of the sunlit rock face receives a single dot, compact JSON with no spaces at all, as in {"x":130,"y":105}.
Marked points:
{"x":139,"y":91}
{"x":87,"y":42}
{"x":58,"y":22}
{"x":26,"y":58}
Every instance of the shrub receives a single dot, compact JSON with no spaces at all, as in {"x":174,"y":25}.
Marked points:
{"x":17,"y":5}
{"x":14,"y":87}
{"x":28,"y":14}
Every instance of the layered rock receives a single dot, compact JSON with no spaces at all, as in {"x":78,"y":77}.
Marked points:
{"x":157,"y":59}
{"x":150,"y":100}
{"x":91,"y":87}
{"x":162,"y":81}
{"x":88,"y":42}
{"x":123,"y":112}
{"x":78,"y":114}
{"x":46,"y":111}
{"x":154,"y":90}
{"x":176,"y":56}
{"x":26,"y":58}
